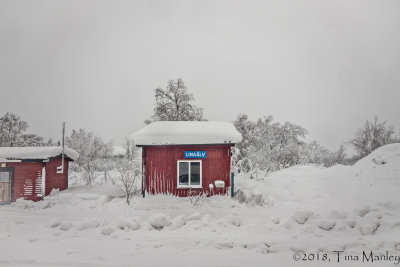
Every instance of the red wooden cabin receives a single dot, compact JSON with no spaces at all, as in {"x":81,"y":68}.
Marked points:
{"x":186,"y":157}
{"x":33,"y":172}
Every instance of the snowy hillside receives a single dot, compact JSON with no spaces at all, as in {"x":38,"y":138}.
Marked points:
{"x":301,"y":209}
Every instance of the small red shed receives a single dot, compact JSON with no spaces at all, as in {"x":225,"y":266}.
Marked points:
{"x":186,"y":157}
{"x":32,"y":172}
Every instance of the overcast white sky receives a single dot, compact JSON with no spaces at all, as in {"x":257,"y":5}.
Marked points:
{"x":326,"y":65}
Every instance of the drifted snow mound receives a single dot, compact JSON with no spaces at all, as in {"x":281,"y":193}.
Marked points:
{"x":362,"y":210}
{"x":159,"y":221}
{"x":107,"y":230}
{"x":88,"y":223}
{"x":302,"y":217}
{"x":125,"y":224}
{"x":326,"y":225}
{"x":388,"y":155}
{"x":369,"y":228}
{"x":361,"y":188}
{"x":178,"y":222}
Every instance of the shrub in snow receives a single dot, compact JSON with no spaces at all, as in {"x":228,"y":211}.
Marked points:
{"x":128,"y":172}
{"x":374,"y":135}
{"x":302,"y":216}
{"x":362,"y":210}
{"x":178,"y":222}
{"x":326,"y":225}
{"x":65,"y":226}
{"x":196,"y":199}
{"x":369,"y":228}
{"x":159,"y":221}
{"x":107,"y":231}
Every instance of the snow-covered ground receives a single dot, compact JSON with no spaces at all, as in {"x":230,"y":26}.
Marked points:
{"x":304,"y":209}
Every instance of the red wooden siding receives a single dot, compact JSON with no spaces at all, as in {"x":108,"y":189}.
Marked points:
{"x":161,"y":168}
{"x":56,"y":180}
{"x":28,"y":178}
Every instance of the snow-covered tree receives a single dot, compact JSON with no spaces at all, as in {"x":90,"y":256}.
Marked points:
{"x":130,"y":149}
{"x":374,"y":135}
{"x":30,"y":140}
{"x":266,"y":145}
{"x":11,"y":128}
{"x":12,"y":132}
{"x":316,"y":153}
{"x":244,"y":149}
{"x":92,"y":152}
{"x":128,"y":173}
{"x":175,"y":104}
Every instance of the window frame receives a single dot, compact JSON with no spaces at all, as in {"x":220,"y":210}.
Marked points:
{"x":189,"y":185}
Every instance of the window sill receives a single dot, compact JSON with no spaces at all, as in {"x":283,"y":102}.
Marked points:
{"x":190,"y":187}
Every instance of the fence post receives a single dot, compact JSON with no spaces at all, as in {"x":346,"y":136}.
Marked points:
{"x":232,"y":184}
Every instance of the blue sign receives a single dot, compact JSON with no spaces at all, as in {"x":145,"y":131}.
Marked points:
{"x":195,"y":154}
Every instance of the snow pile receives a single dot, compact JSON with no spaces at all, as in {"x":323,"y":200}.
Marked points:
{"x":36,"y":152}
{"x":187,"y":132}
{"x":389,"y":154}
{"x":159,"y":221}
{"x":126,"y":224}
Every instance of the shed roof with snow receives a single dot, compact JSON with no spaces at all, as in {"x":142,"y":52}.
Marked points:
{"x":187,"y":132}
{"x":42,"y":153}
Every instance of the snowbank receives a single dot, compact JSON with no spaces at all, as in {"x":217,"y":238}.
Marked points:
{"x":386,"y":157}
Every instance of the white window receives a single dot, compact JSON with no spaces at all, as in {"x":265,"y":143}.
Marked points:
{"x":189,"y":173}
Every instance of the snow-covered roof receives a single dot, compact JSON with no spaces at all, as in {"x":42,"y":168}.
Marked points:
{"x":44,"y":152}
{"x":187,"y":132}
